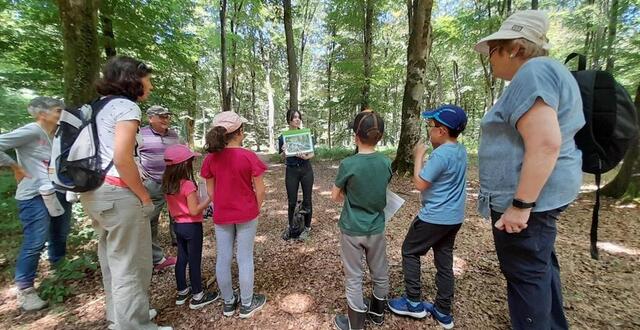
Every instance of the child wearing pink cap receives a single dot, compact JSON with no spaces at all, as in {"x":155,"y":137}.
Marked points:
{"x":235,"y":183}
{"x":181,"y":194}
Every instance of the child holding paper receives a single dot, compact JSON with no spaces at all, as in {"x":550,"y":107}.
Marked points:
{"x":441,"y":181}
{"x":361,"y":183}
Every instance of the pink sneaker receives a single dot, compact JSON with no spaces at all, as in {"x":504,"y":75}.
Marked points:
{"x":168,"y":262}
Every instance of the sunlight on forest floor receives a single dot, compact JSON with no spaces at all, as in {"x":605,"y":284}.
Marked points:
{"x":614,"y":248}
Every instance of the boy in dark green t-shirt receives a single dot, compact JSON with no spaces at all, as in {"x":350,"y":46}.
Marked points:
{"x":362,"y":184}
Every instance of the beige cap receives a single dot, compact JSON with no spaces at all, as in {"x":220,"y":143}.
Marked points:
{"x":230,"y":120}
{"x":528,"y":24}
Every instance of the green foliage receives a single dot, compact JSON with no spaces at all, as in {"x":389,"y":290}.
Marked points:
{"x":56,"y":287}
{"x":10,"y":227}
{"x":14,"y":110}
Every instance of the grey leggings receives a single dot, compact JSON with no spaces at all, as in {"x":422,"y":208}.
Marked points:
{"x":243,"y":235}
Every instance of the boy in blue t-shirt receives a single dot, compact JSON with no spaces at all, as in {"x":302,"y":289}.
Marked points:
{"x":442,"y":183}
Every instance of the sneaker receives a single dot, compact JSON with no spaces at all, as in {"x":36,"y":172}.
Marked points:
{"x":207,"y":298}
{"x":228,"y":309}
{"x":167,"y":263}
{"x":401,"y":306}
{"x":445,"y":320}
{"x":29,"y":300}
{"x":182,"y":298}
{"x":257,"y":302}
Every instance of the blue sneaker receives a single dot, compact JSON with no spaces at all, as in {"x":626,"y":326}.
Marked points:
{"x":401,"y":306}
{"x":445,"y":320}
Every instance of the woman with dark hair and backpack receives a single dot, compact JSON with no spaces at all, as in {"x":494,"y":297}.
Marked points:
{"x":120,"y":208}
{"x":298,"y":173}
{"x":530,"y":167}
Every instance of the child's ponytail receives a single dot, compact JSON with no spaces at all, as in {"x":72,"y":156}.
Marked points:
{"x":215,"y":139}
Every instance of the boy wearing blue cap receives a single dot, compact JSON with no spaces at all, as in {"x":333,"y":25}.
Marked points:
{"x":441,"y":181}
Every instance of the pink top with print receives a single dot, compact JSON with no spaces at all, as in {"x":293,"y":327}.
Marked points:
{"x":177,"y":203}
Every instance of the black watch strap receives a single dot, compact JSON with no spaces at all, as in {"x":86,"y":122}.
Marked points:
{"x":519,"y":204}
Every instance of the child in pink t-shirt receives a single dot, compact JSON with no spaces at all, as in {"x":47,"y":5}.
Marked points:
{"x":234,"y":182}
{"x":181,"y":194}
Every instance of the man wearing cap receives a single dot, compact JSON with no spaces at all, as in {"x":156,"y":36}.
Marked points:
{"x":155,"y":139}
{"x":530,"y":167}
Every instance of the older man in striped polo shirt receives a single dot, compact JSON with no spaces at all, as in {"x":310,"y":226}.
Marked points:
{"x":155,"y":139}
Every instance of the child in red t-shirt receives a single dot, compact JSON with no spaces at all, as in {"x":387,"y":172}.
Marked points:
{"x":181,"y":194}
{"x":235,"y":183}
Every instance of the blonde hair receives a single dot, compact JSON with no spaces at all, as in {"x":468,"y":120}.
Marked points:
{"x":527,"y":49}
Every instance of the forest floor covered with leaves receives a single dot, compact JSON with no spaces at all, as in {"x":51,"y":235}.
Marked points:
{"x":303,"y":281}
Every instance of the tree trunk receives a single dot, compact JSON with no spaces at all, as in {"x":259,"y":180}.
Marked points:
{"x":254,"y":118}
{"x":231,"y":92}
{"x":332,"y":46}
{"x":291,"y":57}
{"x":417,"y":55}
{"x":367,"y":36}
{"x":224,"y":92}
{"x":456,"y":82}
{"x":192,"y":110}
{"x":611,"y":37}
{"x":271,"y":109}
{"x":534,"y":4}
{"x":81,"y":54}
{"x":309,"y":12}
{"x":627,"y":181}
{"x":107,"y":29}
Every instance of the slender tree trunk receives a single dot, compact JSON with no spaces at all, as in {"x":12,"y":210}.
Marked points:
{"x":417,"y":55}
{"x":309,"y":12}
{"x":534,"y":4}
{"x":266,"y":62}
{"x":291,"y":57}
{"x":252,"y":71}
{"x":456,"y":82}
{"x":106,"y":13}
{"x":81,"y":55}
{"x":224,"y":92}
{"x":368,"y":42}
{"x":332,"y":46}
{"x":611,"y":37}
{"x":192,"y":110}
{"x":627,"y":181}
{"x":231,"y":93}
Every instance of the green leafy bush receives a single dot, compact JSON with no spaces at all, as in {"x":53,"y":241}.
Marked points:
{"x":56,"y":287}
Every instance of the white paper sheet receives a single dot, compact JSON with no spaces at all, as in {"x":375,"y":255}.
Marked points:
{"x":394,"y":202}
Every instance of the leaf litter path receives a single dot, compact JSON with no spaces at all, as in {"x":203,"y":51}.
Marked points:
{"x":304,"y":281}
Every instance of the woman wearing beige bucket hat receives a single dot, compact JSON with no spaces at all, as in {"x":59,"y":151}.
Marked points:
{"x":530,"y":167}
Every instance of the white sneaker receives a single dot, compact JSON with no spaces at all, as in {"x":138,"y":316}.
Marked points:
{"x":29,"y":300}
{"x":152,"y":315}
{"x":165,"y":328}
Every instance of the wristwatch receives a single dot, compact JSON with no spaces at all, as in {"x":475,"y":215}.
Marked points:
{"x":519,"y":204}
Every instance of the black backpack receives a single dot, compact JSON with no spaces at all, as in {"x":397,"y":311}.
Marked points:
{"x":75,"y":154}
{"x":610,"y":128}
{"x":294,"y":231}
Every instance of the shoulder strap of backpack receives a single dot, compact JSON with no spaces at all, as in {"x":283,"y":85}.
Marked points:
{"x":594,"y":220}
{"x":582,"y":60}
{"x":96,"y":106}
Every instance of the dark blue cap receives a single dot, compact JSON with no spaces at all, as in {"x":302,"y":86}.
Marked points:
{"x":449,"y":115}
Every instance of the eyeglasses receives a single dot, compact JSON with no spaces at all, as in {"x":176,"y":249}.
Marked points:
{"x":164,"y":116}
{"x":432,"y":124}
{"x":493,"y":50}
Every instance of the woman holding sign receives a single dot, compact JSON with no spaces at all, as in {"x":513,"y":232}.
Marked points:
{"x":298,"y":172}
